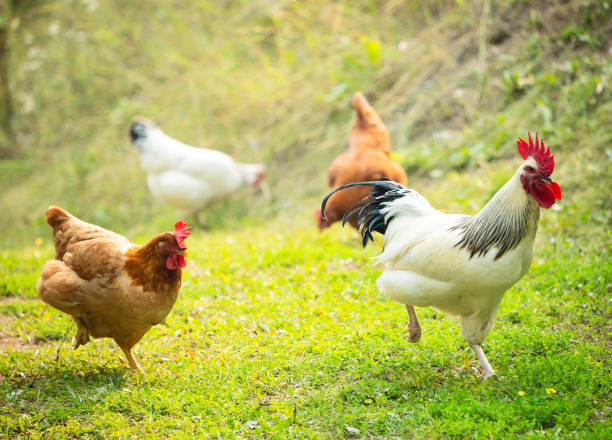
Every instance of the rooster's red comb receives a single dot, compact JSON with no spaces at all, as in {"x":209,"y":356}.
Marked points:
{"x":545,"y":160}
{"x":181,"y":232}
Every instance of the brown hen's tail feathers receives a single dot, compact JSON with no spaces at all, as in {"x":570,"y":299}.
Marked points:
{"x":366,"y":115}
{"x":369,"y":131}
{"x":56,"y":215}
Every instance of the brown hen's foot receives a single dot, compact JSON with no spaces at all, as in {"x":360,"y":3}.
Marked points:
{"x":82,"y":336}
{"x":414,"y":328}
{"x":133,"y":364}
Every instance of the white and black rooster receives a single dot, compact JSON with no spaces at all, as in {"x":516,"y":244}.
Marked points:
{"x":459,"y":264}
{"x":185,"y":177}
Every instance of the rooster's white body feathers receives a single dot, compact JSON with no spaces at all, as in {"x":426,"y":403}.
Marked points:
{"x":424,"y":267}
{"x":459,"y":264}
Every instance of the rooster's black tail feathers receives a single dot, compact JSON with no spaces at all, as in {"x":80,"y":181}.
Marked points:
{"x":368,"y":210}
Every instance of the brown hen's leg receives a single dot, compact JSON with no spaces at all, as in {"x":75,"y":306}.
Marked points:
{"x":414,"y":329}
{"x":82,"y":336}
{"x":128,"y":354}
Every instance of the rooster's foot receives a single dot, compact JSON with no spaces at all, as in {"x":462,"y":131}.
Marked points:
{"x":483,"y":364}
{"x":414,"y":328}
{"x":486,"y":374}
{"x":414,"y":334}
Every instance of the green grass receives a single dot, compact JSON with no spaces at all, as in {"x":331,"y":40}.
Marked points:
{"x":279,"y":331}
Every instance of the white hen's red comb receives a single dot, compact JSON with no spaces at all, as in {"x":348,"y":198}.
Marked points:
{"x":181,"y":232}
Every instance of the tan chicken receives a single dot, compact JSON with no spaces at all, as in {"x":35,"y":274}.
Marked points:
{"x":109,"y":286}
{"x":368,"y":158}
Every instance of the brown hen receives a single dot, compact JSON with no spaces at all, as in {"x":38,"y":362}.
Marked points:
{"x":109,"y":286}
{"x":368,"y":158}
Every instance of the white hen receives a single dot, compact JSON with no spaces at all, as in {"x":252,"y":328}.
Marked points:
{"x":459,"y":264}
{"x":188,"y":178}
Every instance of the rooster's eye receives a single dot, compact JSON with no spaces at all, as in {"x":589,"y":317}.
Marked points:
{"x":529,"y":169}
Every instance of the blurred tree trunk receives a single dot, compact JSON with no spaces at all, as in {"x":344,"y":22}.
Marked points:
{"x":7,"y":136}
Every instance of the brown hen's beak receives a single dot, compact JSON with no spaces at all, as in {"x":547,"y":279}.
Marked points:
{"x":181,"y":252}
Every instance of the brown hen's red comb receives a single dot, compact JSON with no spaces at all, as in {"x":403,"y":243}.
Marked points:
{"x":181,"y":232}
{"x":545,"y":160}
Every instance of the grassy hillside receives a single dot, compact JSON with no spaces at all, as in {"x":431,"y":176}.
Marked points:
{"x":279,"y":331}
{"x":271,"y":81}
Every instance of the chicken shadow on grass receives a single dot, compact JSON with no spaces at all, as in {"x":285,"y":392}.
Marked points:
{"x":61,"y":381}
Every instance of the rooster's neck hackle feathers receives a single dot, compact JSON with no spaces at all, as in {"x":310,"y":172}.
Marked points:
{"x":509,"y":217}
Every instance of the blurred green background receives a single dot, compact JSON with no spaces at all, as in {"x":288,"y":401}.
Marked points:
{"x":456,"y":82}
{"x":279,"y":331}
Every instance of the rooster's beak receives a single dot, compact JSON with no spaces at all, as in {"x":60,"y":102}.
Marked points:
{"x":546,"y":179}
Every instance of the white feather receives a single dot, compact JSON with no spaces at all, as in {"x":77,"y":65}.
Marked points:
{"x":188,"y":178}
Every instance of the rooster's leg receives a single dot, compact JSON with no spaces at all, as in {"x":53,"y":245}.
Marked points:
{"x":82,"y":336}
{"x":484,"y":365}
{"x":414,"y":329}
{"x":130,"y":358}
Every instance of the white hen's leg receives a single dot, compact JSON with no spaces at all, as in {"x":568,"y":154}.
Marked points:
{"x":484,"y":364}
{"x":414,"y":328}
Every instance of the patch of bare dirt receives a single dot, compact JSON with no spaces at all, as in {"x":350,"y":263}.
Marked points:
{"x":10,"y":340}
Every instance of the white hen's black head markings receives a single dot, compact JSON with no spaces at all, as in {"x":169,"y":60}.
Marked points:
{"x":367,"y":211}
